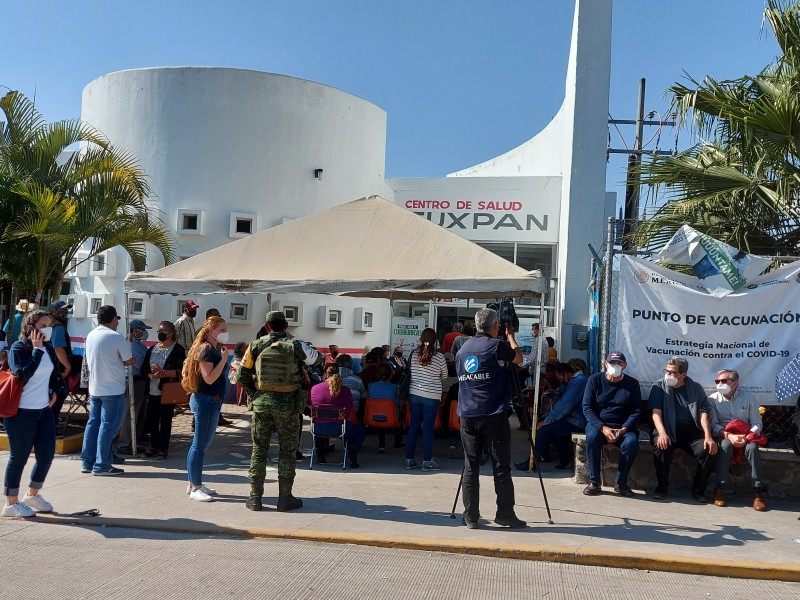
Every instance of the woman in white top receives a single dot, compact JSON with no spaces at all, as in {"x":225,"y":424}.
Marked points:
{"x":428,"y":369}
{"x":34,"y":361}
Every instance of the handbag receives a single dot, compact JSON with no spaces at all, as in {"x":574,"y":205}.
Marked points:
{"x":173,"y":393}
{"x":10,"y":394}
{"x":404,"y":381}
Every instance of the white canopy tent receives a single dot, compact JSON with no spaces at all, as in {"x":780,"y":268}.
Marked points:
{"x":368,"y":247}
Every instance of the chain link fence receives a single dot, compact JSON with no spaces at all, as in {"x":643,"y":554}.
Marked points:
{"x":777,"y":420}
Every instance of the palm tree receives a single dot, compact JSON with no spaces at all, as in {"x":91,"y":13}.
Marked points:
{"x":54,"y":202}
{"x":740,"y":182}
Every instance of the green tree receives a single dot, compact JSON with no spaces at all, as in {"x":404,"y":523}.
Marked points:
{"x":54,"y":202}
{"x":739,"y":183}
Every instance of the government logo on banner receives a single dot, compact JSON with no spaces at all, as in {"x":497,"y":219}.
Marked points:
{"x":662,"y":313}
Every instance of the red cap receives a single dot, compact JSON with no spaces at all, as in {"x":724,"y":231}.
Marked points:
{"x":192,"y":305}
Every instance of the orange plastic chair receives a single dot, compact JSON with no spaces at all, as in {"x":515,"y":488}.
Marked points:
{"x":381,"y":413}
{"x":437,"y":426}
{"x":455,"y":422}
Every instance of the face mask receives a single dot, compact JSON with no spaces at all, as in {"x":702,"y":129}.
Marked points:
{"x":614,"y":370}
{"x":192,"y":314}
{"x":723,"y":388}
{"x":46,"y":333}
{"x":162,"y":337}
{"x":222,"y":338}
{"x":670,"y":380}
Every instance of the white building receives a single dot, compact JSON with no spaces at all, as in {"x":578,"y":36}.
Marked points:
{"x":230,"y":152}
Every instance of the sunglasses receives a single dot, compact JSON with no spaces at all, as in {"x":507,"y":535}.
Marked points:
{"x":722,"y":380}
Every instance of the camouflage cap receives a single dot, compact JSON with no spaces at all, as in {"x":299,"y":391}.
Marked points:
{"x":275,"y":315}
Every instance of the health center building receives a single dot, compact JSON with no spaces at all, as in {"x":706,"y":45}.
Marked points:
{"x":231,"y":152}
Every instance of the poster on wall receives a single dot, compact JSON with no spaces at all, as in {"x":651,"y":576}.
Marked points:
{"x":406,"y":332}
{"x":663,"y":313}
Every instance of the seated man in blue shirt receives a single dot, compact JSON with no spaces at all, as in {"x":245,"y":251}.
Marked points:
{"x":611,"y":404}
{"x":565,"y":419}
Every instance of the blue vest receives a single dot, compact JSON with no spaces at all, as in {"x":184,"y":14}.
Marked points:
{"x":484,"y":387}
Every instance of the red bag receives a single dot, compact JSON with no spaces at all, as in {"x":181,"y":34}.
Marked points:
{"x":10,"y":394}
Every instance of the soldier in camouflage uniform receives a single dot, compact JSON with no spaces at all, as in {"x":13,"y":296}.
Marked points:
{"x":276,"y":410}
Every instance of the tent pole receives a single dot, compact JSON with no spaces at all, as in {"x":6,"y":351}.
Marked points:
{"x":131,"y":399}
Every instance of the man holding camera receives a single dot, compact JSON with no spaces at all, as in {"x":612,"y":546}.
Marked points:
{"x":484,"y":397}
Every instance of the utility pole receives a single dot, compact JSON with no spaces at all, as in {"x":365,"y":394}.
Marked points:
{"x":633,"y":187}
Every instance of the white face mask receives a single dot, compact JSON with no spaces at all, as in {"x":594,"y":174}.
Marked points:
{"x":723,"y":388}
{"x":671,"y":380}
{"x":46,"y":333}
{"x":222,"y":338}
{"x":614,"y":370}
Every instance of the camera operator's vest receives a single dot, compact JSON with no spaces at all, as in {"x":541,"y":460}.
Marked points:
{"x":276,"y":366}
{"x":484,"y":387}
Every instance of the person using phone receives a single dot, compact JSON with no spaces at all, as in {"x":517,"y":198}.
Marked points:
{"x":33,"y":360}
{"x":612,"y":404}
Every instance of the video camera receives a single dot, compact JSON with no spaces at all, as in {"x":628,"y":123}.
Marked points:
{"x":507,"y":313}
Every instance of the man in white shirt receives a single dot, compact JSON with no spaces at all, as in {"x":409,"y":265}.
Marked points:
{"x":530,"y":362}
{"x":729,"y":403}
{"x":107,"y":355}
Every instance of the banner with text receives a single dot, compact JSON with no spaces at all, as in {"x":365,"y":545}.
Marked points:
{"x":406,"y":332}
{"x":663,"y":313}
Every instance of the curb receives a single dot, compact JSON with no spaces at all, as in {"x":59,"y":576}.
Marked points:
{"x":595,"y":557}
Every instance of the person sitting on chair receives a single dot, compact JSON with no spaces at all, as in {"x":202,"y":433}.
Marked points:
{"x":384,"y":389}
{"x":333,"y":394}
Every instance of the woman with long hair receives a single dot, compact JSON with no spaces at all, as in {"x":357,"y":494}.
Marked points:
{"x":33,"y":360}
{"x":204,"y":379}
{"x":428,"y":369}
{"x":333,"y":394}
{"x":161,"y":364}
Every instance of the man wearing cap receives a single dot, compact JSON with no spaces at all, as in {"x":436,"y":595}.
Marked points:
{"x":138,"y":329}
{"x":13,"y":326}
{"x":185,"y":327}
{"x":272,"y":373}
{"x":59,"y":311}
{"x":612,"y":403}
{"x":107,"y":355}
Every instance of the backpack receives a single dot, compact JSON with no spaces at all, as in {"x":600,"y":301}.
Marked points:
{"x":276,"y":366}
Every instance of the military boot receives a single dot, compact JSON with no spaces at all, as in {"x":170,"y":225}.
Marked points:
{"x":254,"y":503}
{"x":285,"y":499}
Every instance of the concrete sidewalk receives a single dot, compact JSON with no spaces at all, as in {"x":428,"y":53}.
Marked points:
{"x":381,"y":504}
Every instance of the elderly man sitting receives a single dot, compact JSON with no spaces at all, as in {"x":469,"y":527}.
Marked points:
{"x":728,"y":404}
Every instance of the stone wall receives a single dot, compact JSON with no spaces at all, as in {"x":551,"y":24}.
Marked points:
{"x":781,"y":470}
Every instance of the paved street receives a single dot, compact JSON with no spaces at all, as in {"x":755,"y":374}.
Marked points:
{"x":70,"y":562}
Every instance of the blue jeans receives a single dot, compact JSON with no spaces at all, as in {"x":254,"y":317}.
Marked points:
{"x":30,"y":428}
{"x":423,"y":413}
{"x":105,"y":417}
{"x":558,"y":433}
{"x":628,"y":446}
{"x":206,"y":417}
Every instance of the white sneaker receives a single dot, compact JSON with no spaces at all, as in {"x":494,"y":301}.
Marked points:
{"x":200,"y":496}
{"x":18,"y":510}
{"x":207,"y":490}
{"x":37,"y":503}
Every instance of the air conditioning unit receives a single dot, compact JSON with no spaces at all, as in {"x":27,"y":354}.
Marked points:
{"x":364,"y":320}
{"x":329,"y":317}
{"x":78,"y":266}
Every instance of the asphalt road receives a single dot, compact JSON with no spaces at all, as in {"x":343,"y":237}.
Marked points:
{"x":45,"y":560}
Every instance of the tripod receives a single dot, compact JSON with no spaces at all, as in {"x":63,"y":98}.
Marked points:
{"x":517,"y":399}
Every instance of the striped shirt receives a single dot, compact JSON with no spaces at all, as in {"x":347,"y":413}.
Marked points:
{"x":426,"y":381}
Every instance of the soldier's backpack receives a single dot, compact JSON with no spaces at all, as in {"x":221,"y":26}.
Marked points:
{"x":277,"y":369}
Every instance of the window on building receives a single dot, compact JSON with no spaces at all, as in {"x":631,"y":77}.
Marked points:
{"x":242,"y":224}
{"x":238,"y":311}
{"x":136,"y":306}
{"x":335,"y":317}
{"x":190,"y":221}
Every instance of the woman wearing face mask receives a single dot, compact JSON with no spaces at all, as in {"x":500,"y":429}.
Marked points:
{"x":33,"y":360}
{"x":161,"y":364}
{"x":398,"y":362}
{"x":204,"y":379}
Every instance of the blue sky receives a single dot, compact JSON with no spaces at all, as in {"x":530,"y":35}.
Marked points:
{"x":461,"y":80}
